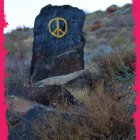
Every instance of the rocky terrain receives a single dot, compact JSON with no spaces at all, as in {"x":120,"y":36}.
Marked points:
{"x":91,"y":104}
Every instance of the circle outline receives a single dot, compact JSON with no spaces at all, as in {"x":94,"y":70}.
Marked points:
{"x":54,"y":33}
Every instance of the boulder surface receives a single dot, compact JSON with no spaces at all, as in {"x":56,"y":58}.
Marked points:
{"x":48,"y":95}
{"x":57,"y":32}
{"x":41,"y":123}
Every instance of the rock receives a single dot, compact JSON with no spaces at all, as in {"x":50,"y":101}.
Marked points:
{"x":57,"y":29}
{"x":17,"y":107}
{"x":61,"y":64}
{"x":112,"y":8}
{"x":47,"y":95}
{"x":52,"y":45}
{"x":42,"y":124}
{"x":18,"y":104}
{"x":77,"y":79}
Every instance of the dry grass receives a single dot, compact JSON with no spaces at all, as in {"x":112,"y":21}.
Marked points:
{"x":107,"y":112}
{"x":110,"y":115}
{"x":118,"y":64}
{"x":19,"y":45}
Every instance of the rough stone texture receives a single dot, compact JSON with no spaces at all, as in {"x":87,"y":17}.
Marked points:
{"x":45,"y":124}
{"x":20,"y":105}
{"x":17,"y":107}
{"x":48,"y":95}
{"x":50,"y":47}
{"x":77,"y":79}
{"x":65,"y":63}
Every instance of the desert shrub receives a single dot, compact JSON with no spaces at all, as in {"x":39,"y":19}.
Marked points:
{"x":106,"y":32}
{"x":118,"y":65}
{"x":96,"y":15}
{"x":13,"y":81}
{"x":119,"y":42}
{"x":18,"y":72}
{"x":16,"y":35}
{"x":110,"y":116}
{"x":106,"y":22}
{"x":91,"y":43}
{"x":126,"y":32}
{"x":125,"y":76}
{"x":92,"y":26}
{"x":103,"y":42}
{"x":21,"y":52}
{"x":12,"y":50}
{"x":122,"y":21}
{"x":97,"y":25}
{"x":15,"y":44}
{"x":109,"y":112}
{"x":18,"y":58}
{"x":24,"y":28}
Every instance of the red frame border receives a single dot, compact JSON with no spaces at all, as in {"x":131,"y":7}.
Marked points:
{"x":136,"y":34}
{"x":3,"y":52}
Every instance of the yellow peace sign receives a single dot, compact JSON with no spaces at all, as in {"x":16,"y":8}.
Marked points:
{"x":58,"y":32}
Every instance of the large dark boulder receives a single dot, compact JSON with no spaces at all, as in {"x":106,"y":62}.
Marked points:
{"x":57,"y":29}
{"x":48,"y":95}
{"x":41,"y":123}
{"x":47,"y":44}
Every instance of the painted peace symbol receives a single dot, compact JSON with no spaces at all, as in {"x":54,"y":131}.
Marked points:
{"x":58,"y":32}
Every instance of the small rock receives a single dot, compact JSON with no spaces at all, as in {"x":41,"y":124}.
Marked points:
{"x":112,"y":8}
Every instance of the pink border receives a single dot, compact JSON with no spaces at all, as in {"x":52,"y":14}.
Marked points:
{"x":3,"y":106}
{"x":136,"y":34}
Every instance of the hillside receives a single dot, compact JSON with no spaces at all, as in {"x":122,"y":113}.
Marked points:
{"x":109,"y":57}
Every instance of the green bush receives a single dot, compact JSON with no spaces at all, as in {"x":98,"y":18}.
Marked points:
{"x":124,"y":75}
